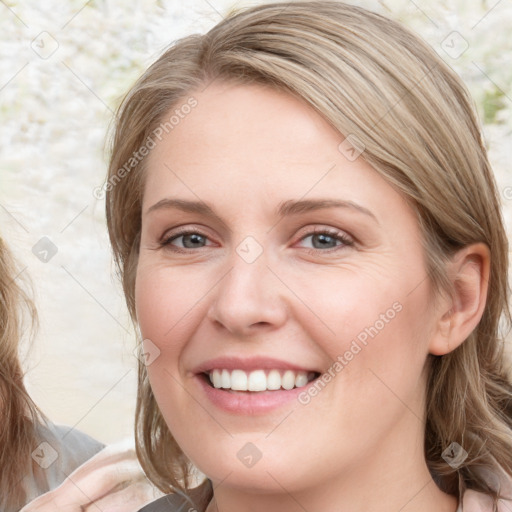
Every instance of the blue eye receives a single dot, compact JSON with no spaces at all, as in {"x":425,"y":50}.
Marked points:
{"x":323,"y":240}
{"x":190,"y":239}
{"x":328,"y":239}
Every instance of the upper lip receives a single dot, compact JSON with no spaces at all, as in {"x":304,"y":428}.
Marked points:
{"x":249,"y":364}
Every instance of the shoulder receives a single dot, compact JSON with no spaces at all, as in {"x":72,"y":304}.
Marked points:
{"x":111,"y":480}
{"x":60,"y":451}
{"x":73,"y":447}
{"x":197,"y":500}
{"x":474,"y":501}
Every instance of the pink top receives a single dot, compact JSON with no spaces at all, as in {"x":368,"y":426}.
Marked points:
{"x":473,"y":501}
{"x":477,"y":502}
{"x":113,"y":481}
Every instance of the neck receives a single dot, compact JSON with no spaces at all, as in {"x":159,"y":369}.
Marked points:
{"x":416,"y":495}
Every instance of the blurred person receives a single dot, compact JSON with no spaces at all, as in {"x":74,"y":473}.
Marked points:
{"x":70,"y":469}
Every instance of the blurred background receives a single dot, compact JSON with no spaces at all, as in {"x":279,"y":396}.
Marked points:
{"x":64,"y":66}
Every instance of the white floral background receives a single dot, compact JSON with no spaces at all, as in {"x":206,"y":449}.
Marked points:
{"x":63,"y":68}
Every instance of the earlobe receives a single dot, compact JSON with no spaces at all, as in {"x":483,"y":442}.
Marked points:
{"x":460,"y":314}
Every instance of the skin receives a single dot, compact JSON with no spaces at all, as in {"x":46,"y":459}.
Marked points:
{"x":358,"y":444}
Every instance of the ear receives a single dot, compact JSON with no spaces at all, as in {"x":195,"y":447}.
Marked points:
{"x":459,"y":314}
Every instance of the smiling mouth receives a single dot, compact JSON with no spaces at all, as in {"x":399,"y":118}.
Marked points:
{"x":258,"y":380}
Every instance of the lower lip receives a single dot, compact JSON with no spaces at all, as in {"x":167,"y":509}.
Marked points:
{"x":249,"y":402}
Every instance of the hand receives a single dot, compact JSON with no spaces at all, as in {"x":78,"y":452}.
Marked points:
{"x":111,"y":481}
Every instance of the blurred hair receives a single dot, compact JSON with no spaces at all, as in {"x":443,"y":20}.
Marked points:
{"x":370,"y":77}
{"x":19,"y":415}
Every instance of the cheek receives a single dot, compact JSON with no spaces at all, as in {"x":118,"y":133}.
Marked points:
{"x":167,"y":312}
{"x":381,"y":333}
{"x":166,"y":301}
{"x":357,"y":309}
{"x":152,"y":305}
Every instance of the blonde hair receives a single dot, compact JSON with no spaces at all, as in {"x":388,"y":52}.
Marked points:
{"x":19,"y":415}
{"x":373,"y":79}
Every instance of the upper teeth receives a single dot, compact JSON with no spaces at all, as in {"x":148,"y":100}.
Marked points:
{"x":257,"y":380}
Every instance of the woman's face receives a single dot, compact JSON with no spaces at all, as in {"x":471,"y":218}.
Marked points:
{"x":303,"y":262}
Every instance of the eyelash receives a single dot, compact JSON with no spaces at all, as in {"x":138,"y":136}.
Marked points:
{"x":337,"y":235}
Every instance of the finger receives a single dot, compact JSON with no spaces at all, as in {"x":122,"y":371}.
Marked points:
{"x":130,"y":499}
{"x":90,"y":482}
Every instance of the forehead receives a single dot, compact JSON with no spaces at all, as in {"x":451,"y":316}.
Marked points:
{"x":233,"y":120}
{"x":265,"y":144}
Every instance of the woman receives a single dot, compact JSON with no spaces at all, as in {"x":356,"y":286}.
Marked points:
{"x":308,"y":234}
{"x":36,"y":455}
{"x":51,"y":466}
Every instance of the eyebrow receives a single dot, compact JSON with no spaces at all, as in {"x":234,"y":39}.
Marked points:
{"x":285,"y":208}
{"x":292,"y":207}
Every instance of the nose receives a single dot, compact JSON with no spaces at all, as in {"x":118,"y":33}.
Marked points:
{"x":249,"y":298}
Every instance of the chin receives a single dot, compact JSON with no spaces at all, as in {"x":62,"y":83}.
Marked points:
{"x":253,"y":470}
